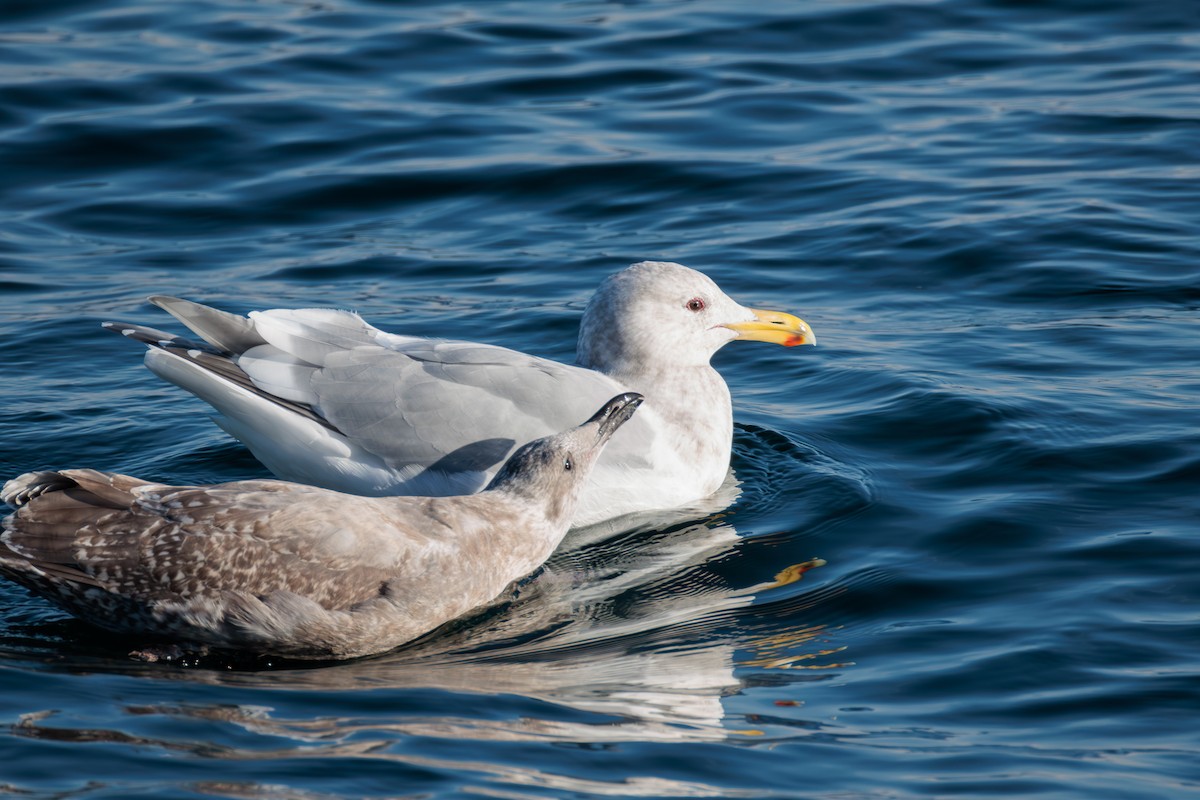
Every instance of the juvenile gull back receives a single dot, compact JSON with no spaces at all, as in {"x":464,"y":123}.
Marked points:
{"x":288,"y":569}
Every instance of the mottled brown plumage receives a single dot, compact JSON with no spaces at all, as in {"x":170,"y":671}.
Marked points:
{"x":289,"y":569}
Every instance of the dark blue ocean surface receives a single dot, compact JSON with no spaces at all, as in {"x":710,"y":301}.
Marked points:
{"x":988,"y":211}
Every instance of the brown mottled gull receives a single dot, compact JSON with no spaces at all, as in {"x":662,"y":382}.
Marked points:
{"x":287,"y":569}
{"x":321,"y":397}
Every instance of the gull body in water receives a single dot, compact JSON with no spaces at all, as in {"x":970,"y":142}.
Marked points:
{"x":321,"y":397}
{"x":286,"y":569}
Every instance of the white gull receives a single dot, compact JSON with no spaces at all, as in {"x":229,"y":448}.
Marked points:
{"x":321,"y":397}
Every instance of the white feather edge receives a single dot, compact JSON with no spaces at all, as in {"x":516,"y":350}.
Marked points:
{"x":312,"y":334}
{"x":279,"y":373}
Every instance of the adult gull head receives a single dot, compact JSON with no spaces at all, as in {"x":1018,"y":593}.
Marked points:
{"x":659,"y":315}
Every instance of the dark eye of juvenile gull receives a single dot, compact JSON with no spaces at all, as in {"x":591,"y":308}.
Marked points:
{"x":695,"y":304}
{"x":567,"y":463}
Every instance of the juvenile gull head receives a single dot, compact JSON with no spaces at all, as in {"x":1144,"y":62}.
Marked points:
{"x":286,"y":569}
{"x":553,"y":470}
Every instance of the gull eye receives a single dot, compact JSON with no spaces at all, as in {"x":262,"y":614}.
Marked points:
{"x":567,"y":463}
{"x":695,"y":304}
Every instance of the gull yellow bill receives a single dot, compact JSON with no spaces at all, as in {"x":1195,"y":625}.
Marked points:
{"x":775,"y":327}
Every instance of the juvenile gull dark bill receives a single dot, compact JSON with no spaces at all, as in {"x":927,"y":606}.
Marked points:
{"x":287,"y":569}
{"x":321,"y":397}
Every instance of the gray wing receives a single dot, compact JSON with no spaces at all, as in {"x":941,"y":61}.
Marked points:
{"x":405,"y":413}
{"x":419,"y":403}
{"x":451,"y":406}
{"x":416,"y":403}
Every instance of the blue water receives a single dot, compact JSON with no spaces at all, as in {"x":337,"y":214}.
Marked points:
{"x":988,"y":211}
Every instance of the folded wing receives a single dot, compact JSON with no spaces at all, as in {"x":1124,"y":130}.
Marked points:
{"x":321,"y":396}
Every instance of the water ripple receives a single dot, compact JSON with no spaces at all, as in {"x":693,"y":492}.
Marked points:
{"x":952,"y":556}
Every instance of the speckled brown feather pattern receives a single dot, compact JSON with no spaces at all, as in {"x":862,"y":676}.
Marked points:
{"x":286,"y":568}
